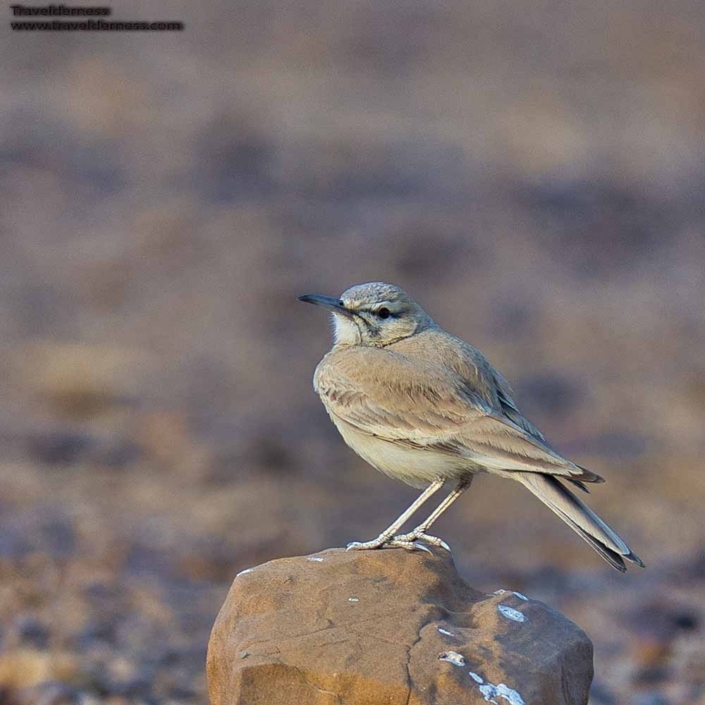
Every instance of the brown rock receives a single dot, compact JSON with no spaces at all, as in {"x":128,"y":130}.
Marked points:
{"x":388,"y":628}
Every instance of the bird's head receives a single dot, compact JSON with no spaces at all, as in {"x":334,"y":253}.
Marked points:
{"x":374,"y":314}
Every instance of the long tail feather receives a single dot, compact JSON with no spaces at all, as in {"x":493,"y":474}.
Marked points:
{"x":580,"y":518}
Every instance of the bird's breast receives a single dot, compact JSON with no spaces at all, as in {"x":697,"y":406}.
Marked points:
{"x":415,"y":466}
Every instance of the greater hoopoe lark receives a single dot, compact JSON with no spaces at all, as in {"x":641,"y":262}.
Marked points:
{"x":425,"y":407}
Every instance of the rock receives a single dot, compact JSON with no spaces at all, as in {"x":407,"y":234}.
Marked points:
{"x":385,"y":628}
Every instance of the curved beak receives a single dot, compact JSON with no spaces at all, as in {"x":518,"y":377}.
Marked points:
{"x":327,"y":302}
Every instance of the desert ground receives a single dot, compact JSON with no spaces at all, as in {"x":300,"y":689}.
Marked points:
{"x":533,"y":176}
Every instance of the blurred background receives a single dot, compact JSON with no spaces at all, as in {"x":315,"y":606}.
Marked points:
{"x":532,"y":173}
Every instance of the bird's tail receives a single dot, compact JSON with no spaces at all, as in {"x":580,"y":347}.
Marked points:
{"x":580,"y":518}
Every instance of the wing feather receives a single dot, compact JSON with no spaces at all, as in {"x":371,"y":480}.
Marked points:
{"x":380,"y":393}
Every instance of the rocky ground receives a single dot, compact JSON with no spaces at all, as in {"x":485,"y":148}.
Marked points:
{"x":535,"y":179}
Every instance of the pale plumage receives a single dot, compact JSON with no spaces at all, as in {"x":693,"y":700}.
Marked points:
{"x":425,"y":407}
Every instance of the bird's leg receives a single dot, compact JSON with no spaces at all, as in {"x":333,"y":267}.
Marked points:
{"x":419,"y":533}
{"x":387,"y":536}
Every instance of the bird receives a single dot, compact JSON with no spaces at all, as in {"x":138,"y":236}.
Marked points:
{"x":427,"y":408}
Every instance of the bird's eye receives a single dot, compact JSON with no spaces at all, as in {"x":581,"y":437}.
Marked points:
{"x":383,"y":312}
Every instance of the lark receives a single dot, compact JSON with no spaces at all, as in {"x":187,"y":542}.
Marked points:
{"x":426,"y":408}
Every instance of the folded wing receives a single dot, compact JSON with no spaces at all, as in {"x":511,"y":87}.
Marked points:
{"x":434,"y":408}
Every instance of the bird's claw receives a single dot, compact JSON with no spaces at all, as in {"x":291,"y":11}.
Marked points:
{"x":379,"y":542}
{"x":363,"y":545}
{"x":416,"y":536}
{"x":408,"y":545}
{"x":394,"y":542}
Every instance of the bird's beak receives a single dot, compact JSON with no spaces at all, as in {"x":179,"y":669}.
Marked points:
{"x":332,"y":304}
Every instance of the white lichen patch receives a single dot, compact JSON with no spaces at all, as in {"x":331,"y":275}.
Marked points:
{"x":502,"y":591}
{"x":315,"y":559}
{"x":511,"y":613}
{"x":353,"y":599}
{"x":445,"y":631}
{"x":244,"y":572}
{"x":452,"y":657}
{"x":490,"y":692}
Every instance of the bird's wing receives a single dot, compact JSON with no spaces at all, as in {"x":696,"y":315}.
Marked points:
{"x":383,"y":394}
{"x":510,"y":408}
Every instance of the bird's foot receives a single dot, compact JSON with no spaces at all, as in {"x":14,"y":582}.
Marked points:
{"x":413,"y":537}
{"x":383,"y":541}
